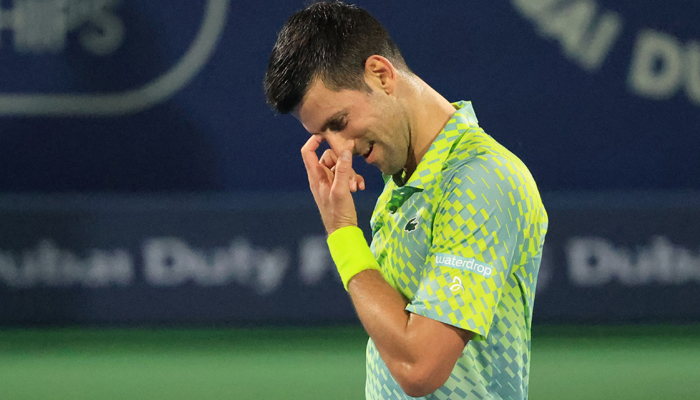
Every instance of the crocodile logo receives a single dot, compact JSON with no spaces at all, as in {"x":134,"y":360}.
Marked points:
{"x":411,"y":225}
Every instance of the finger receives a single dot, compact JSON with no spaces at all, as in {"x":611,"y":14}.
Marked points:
{"x":328,"y":159}
{"x":308,"y":153}
{"x":327,"y":174}
{"x":357,"y":181}
{"x":343,"y":170}
{"x":320,"y":181}
{"x":353,"y":179}
{"x":360,"y":181}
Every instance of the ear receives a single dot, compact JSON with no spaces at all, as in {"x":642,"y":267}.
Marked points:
{"x":380,"y":74}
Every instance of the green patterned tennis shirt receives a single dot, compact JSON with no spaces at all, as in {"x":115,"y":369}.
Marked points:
{"x":462,"y":240}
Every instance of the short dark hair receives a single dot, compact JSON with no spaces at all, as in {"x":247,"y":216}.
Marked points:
{"x":329,"y":40}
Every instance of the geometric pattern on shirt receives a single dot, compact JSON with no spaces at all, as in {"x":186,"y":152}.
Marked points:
{"x":474,"y":199}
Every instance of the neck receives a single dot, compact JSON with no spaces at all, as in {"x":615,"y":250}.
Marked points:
{"x":427,"y":114}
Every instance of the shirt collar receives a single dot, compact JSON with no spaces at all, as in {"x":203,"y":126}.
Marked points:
{"x":433,"y":160}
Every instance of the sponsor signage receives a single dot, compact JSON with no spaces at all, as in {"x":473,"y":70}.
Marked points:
{"x":166,"y":95}
{"x":467,"y":264}
{"x":248,"y":258}
{"x":101,"y":29}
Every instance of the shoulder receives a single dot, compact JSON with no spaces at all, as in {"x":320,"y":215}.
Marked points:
{"x":490,"y":177}
{"x":477,"y":166}
{"x":479,"y":160}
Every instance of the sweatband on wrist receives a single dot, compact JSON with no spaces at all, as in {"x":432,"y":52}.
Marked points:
{"x":350,"y":253}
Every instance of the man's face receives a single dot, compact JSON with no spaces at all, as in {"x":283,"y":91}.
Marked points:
{"x":374,"y":122}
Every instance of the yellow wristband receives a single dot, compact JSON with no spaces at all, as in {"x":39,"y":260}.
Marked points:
{"x":350,"y":253}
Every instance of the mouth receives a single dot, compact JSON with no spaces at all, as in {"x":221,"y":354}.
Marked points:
{"x":369,"y":151}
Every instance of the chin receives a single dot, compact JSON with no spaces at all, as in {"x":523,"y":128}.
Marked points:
{"x":390,"y":171}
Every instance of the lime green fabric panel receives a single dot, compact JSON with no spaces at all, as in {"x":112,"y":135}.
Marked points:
{"x":462,"y":240}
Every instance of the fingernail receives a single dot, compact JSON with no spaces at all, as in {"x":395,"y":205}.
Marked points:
{"x":345,"y":155}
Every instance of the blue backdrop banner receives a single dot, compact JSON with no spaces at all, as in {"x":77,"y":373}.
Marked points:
{"x":263,"y":259}
{"x":166,"y":95}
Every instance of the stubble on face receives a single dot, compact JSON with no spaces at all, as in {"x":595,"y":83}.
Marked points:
{"x":397,"y":140}
{"x":371,"y":120}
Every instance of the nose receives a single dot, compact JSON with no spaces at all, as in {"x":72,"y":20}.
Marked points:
{"x":337,"y":142}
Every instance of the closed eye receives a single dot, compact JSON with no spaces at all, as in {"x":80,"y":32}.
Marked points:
{"x":338,"y":124}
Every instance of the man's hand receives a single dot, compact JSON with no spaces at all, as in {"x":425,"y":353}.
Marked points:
{"x":331,"y":181}
{"x":330,"y":159}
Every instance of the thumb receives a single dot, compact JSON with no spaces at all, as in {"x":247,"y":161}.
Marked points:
{"x":343,"y":167}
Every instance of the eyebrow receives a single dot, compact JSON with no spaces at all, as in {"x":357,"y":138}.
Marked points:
{"x":333,"y":118}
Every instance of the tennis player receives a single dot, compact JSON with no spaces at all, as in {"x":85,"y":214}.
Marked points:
{"x":446,"y":289}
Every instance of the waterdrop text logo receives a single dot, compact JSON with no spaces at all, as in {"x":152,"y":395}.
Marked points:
{"x":469,"y":264}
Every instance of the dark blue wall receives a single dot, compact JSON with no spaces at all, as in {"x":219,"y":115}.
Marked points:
{"x":118,"y":99}
{"x":627,"y":119}
{"x":263,"y":258}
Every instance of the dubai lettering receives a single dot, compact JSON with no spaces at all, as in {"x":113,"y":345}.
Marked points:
{"x":171,"y":262}
{"x":597,"y":261}
{"x":586,"y":33}
{"x":48,"y":265}
{"x":662,"y":65}
{"x":469,"y":264}
{"x":315,"y":261}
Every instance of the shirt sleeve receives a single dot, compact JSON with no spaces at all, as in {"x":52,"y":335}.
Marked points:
{"x":475,"y":234}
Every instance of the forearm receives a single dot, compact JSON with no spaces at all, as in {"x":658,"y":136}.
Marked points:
{"x":419,"y":352}
{"x":415,"y":356}
{"x":381,"y":310}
